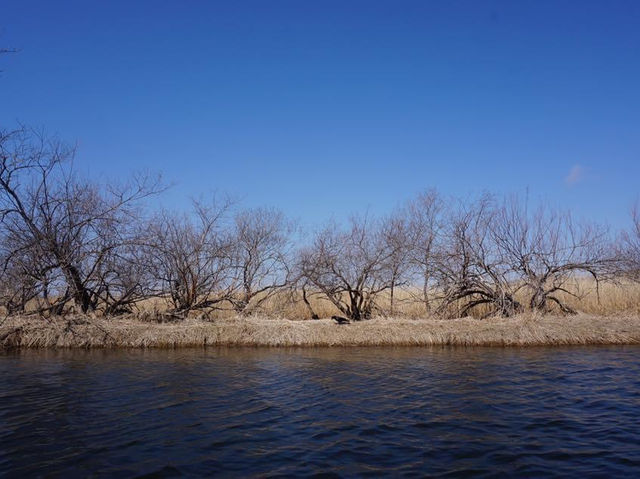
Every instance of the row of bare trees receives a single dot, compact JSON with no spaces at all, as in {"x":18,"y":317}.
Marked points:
{"x":463,"y":257}
{"x":70,"y":243}
{"x":203,"y":261}
{"x":64,"y":239}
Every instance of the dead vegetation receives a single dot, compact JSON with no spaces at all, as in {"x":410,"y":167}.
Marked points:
{"x":522,"y":330}
{"x":69,"y":245}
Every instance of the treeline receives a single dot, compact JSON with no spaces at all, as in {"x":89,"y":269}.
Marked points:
{"x":69,"y":243}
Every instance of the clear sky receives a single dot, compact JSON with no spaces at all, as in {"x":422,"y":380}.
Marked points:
{"x":328,"y":107}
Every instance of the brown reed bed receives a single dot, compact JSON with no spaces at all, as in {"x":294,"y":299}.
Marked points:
{"x":524,"y":330}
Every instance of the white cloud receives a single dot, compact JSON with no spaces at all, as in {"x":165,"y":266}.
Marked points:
{"x":576,"y":175}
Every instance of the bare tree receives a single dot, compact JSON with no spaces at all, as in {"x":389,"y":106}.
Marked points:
{"x":470,"y":270}
{"x":125,"y":278}
{"x":22,"y":275}
{"x":397,"y":241}
{"x":74,"y":224}
{"x":306,"y":295}
{"x":191,"y":257}
{"x":262,"y":247}
{"x":544,"y":249}
{"x":349,"y":268}
{"x":425,"y":224}
{"x":628,"y":250}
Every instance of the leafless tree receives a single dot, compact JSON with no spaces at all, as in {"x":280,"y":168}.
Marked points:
{"x":124,"y":277}
{"x":397,"y":241}
{"x":425,"y":224}
{"x":629,"y":248}
{"x":470,"y":271}
{"x":349,"y":268}
{"x":22,"y":276}
{"x":191,"y":257}
{"x":75,"y":225}
{"x":262,"y":248}
{"x":545,"y":248}
{"x":305,"y":293}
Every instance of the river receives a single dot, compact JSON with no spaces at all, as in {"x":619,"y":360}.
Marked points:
{"x":344,"y":411}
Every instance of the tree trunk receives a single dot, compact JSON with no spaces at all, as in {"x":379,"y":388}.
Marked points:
{"x":392,"y":291}
{"x":425,"y":293}
{"x":308,"y":304}
{"x":80,"y":294}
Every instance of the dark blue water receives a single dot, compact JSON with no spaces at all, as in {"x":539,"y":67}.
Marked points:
{"x":348,"y":412}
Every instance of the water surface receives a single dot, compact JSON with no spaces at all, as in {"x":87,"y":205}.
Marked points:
{"x":344,"y":411}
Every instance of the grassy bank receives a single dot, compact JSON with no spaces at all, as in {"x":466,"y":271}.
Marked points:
{"x":525,"y":330}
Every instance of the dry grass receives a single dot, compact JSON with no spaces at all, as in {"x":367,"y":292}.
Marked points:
{"x":525,"y":330}
{"x":610,"y":317}
{"x":610,"y":299}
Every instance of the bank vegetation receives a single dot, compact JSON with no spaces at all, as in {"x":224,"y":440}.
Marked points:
{"x":73,"y":248}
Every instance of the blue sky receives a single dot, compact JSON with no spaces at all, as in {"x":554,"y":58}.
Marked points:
{"x":325,"y":108}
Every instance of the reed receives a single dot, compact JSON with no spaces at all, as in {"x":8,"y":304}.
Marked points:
{"x":523,"y":330}
{"x":607,"y":298}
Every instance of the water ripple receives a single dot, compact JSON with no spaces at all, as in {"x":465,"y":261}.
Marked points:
{"x":442,"y":412}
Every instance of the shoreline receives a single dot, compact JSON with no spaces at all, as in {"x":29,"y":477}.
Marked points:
{"x":525,"y":330}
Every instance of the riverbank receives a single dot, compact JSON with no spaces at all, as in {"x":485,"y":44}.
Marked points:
{"x":525,"y":330}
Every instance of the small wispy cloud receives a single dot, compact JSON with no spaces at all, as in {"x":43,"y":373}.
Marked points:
{"x":576,"y":175}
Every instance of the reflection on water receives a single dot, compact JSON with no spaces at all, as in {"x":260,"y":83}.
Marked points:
{"x":537,"y":411}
